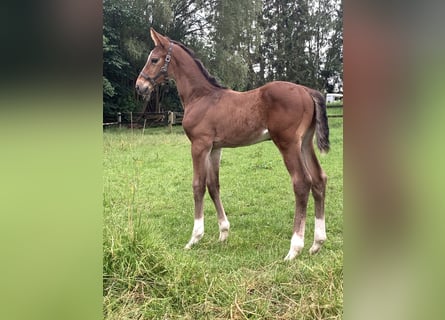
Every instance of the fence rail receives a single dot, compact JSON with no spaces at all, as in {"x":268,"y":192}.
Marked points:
{"x":147,"y":119}
{"x":335,"y":116}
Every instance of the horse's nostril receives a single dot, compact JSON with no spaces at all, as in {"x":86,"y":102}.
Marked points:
{"x":137,"y":87}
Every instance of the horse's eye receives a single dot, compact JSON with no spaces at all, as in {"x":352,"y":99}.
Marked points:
{"x":154,"y":61}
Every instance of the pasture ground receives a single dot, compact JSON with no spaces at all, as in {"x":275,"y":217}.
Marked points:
{"x":148,"y":219}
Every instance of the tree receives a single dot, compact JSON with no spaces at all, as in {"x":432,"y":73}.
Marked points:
{"x":231,"y":24}
{"x":324,"y":46}
{"x":333,"y":74}
{"x":299,"y":37}
{"x":243,"y":43}
{"x":122,"y":49}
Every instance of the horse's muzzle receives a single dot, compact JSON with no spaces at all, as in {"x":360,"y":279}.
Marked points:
{"x":143,"y":89}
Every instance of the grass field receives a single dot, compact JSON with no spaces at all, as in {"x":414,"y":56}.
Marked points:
{"x":148,"y":218}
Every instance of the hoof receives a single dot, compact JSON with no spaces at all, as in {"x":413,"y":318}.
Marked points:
{"x":224,"y":227}
{"x":316,"y":246}
{"x":195,"y":239}
{"x":296,"y":246}
{"x":292,"y":254}
{"x":223,"y":235}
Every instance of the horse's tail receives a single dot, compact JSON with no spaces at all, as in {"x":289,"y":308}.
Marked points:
{"x":321,"y":123}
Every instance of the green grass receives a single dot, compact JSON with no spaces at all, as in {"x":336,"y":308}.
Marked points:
{"x":334,"y":111}
{"x":148,"y":218}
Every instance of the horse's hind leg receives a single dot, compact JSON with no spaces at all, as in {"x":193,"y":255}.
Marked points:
{"x":213,"y":187}
{"x":301,"y":182}
{"x":319,"y":180}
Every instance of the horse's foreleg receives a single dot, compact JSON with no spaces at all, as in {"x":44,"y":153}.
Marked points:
{"x":213,"y":187}
{"x":200,"y":156}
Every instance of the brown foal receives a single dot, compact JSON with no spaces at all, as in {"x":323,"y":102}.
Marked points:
{"x":216,"y":117}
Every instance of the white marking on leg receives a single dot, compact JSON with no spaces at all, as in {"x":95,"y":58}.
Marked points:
{"x":320,"y":229}
{"x":296,"y":245}
{"x":224,"y":227}
{"x":319,"y":235}
{"x":198,"y":232}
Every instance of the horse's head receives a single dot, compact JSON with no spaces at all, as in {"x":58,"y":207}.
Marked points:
{"x":155,"y":70}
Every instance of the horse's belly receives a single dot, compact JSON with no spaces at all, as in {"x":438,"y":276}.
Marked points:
{"x":240,"y":139}
{"x":263,"y":136}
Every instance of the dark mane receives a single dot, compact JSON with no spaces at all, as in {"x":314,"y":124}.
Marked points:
{"x":201,"y":67}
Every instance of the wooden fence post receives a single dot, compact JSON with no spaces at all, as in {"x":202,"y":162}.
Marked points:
{"x":119,"y":119}
{"x":131,"y":121}
{"x":170,"y":120}
{"x":143,"y":129}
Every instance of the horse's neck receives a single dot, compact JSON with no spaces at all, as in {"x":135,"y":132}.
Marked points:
{"x":190,"y":81}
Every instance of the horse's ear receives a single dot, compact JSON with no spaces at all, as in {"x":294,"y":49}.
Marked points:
{"x":159,"y":39}
{"x":154,"y":36}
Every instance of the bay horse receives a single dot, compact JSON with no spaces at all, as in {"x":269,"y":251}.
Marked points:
{"x":216,"y":117}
